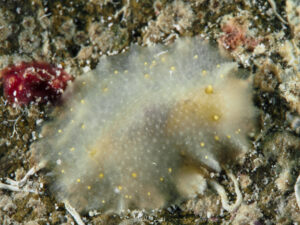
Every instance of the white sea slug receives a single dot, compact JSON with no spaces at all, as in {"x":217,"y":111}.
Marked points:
{"x":145,"y":128}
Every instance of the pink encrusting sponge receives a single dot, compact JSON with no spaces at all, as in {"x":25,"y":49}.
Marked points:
{"x":37,"y":82}
{"x":145,"y":128}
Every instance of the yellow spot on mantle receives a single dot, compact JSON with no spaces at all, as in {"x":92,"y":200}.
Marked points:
{"x":195,"y":56}
{"x":172,"y":68}
{"x":134,"y":175}
{"x":83,"y":126}
{"x":209,"y":89}
{"x":202,"y":144}
{"x":204,"y":72}
{"x":145,"y":63}
{"x":78,"y":180}
{"x":228,"y":136}
{"x":216,"y":117}
{"x":161,"y":179}
{"x":218,"y":65}
{"x":89,"y":187}
{"x":82,"y":101}
{"x":62,"y":171}
{"x":148,"y":193}
{"x":72,"y":149}
{"x":103,"y":201}
{"x":92,"y":152}
{"x":170,"y":170}
{"x":101,"y":175}
{"x":59,"y":131}
{"x":105,"y":89}
{"x":120,"y":188}
{"x":217,"y":138}
{"x":146,"y":75}
{"x":116,"y":72}
{"x":238,"y":131}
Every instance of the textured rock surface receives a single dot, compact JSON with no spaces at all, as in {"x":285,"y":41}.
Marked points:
{"x":67,"y":33}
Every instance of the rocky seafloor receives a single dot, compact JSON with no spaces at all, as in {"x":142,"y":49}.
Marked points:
{"x":262,"y":36}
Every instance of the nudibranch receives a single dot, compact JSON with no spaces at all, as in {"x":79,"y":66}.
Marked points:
{"x":146,"y":128}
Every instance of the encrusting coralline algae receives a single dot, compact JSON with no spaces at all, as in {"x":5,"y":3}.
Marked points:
{"x":146,"y":128}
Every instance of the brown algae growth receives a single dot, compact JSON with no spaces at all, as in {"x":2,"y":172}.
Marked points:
{"x":145,"y":128}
